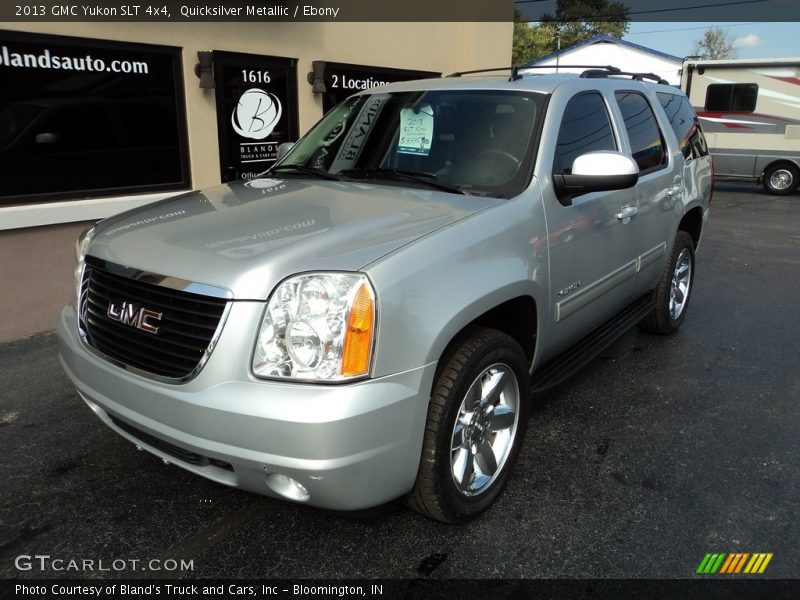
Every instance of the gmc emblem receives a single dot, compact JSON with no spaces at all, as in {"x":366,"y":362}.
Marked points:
{"x":128,"y":314}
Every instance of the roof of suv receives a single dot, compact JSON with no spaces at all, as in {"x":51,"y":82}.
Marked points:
{"x":544,"y":83}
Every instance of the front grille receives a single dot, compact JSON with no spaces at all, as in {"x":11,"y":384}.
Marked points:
{"x":188,"y":325}
{"x":175,"y":451}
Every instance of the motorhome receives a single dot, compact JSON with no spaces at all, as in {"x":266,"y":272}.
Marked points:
{"x":750,"y":113}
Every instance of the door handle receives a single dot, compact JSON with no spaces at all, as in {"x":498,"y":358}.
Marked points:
{"x":626,"y":212}
{"x":674,"y":189}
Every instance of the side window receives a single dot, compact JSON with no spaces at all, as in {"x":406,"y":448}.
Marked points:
{"x":585,"y":127}
{"x":685,"y":124}
{"x":731,"y":97}
{"x":647,"y":143}
{"x":698,"y":143}
{"x":682,"y":119}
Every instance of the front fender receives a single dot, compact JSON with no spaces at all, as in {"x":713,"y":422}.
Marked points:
{"x":431,"y":289}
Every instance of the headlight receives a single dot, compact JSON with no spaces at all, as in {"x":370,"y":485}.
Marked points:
{"x":317,"y":327}
{"x":83,"y":243}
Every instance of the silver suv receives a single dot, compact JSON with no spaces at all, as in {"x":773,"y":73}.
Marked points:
{"x":369,"y":320}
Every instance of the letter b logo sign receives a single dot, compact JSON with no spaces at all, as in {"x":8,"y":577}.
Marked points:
{"x":256,"y":114}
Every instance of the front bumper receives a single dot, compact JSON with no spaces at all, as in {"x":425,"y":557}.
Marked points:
{"x":351,"y":446}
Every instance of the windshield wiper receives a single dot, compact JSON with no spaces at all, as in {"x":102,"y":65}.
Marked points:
{"x":429,"y":179}
{"x":307,"y":170}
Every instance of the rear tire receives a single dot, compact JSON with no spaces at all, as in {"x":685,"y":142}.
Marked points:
{"x":674,"y":289}
{"x":477,"y":418}
{"x":781,"y":179}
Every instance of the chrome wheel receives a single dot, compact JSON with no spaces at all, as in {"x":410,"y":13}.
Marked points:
{"x":781,"y":179}
{"x":679,"y":286}
{"x":484,"y":429}
{"x":477,"y":416}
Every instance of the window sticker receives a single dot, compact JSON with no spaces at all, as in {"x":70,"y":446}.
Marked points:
{"x":416,"y":130}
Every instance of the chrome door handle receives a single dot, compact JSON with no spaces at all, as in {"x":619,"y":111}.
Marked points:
{"x":626,"y":212}
{"x":674,"y":189}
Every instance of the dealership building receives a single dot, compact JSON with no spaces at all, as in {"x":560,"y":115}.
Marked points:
{"x":101,"y":117}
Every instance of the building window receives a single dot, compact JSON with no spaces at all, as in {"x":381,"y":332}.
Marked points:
{"x":343,"y":80}
{"x":257,"y":111}
{"x":731,"y":97}
{"x":81,"y":117}
{"x":647,"y":143}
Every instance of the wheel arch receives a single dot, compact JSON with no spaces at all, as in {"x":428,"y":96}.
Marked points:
{"x":517,"y":317}
{"x":692,"y":223}
{"x":790,"y":161}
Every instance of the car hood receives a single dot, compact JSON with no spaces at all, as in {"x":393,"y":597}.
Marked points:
{"x":248,"y":236}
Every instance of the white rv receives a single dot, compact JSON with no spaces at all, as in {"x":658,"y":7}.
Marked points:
{"x":750,"y":113}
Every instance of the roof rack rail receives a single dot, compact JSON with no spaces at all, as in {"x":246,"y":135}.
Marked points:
{"x":603,"y":68}
{"x":488,"y":70}
{"x":601,"y":72}
{"x":516,"y":68}
{"x":513,"y":68}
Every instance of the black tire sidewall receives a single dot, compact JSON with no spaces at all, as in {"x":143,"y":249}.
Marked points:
{"x":791,"y":189}
{"x":683,"y":242}
{"x":659,"y":320}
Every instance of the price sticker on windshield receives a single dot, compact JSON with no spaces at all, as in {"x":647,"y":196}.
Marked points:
{"x":416,"y":130}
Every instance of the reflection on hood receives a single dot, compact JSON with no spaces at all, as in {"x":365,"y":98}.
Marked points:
{"x":248,"y":236}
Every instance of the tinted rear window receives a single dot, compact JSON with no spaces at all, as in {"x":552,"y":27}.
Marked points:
{"x":681,"y":117}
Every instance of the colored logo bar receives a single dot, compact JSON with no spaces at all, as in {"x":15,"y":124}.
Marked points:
{"x":731,"y":563}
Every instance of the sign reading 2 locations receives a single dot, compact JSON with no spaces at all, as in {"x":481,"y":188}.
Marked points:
{"x":256,"y":111}
{"x":343,"y":80}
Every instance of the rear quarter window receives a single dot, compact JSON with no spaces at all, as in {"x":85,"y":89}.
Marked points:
{"x":684,"y":123}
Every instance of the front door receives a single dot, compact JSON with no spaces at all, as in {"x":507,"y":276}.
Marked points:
{"x":592,"y":243}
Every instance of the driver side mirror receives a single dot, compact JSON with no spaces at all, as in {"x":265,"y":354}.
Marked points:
{"x":596,"y":172}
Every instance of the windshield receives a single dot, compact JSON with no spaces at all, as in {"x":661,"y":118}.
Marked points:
{"x":474,"y":142}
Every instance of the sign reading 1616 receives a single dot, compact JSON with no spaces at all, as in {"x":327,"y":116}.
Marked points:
{"x":254,"y":76}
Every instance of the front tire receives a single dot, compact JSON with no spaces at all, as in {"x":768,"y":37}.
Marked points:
{"x":477,"y":418}
{"x":674,"y":289}
{"x":782,"y":179}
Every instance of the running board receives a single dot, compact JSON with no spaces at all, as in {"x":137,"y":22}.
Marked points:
{"x":582,"y":353}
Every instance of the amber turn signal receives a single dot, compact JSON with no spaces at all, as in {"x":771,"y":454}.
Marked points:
{"x":359,"y":334}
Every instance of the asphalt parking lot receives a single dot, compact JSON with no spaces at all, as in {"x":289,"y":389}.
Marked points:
{"x":660,"y":451}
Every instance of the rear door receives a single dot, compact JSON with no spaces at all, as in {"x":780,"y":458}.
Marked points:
{"x":659,"y":189}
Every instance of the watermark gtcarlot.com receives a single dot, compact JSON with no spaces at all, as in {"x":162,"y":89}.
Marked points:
{"x":48,"y":563}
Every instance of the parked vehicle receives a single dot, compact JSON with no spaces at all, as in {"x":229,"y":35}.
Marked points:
{"x":750,"y":111}
{"x":368,"y":320}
